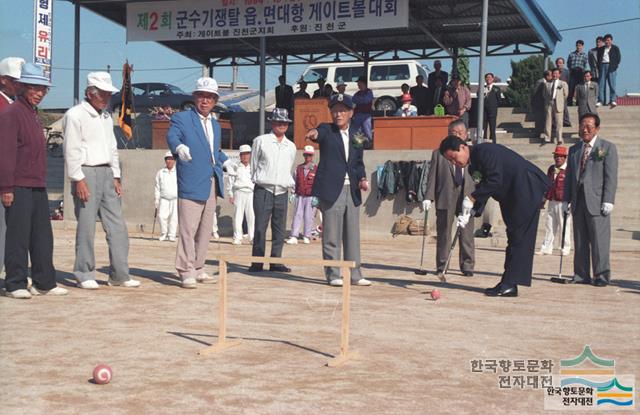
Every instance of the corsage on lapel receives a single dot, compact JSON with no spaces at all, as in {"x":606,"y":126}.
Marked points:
{"x":358,"y":139}
{"x":600,"y":154}
{"x":476,"y":176}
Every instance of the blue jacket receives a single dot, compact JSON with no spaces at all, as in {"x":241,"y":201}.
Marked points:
{"x":195,"y":176}
{"x":333,"y":165}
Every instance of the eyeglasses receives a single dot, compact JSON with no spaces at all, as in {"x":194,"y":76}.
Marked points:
{"x":37,"y":88}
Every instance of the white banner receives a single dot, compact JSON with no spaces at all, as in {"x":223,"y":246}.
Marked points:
{"x":42,"y":34}
{"x":223,"y":19}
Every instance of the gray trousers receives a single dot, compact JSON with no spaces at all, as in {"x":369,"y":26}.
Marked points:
{"x":3,"y":232}
{"x":592,"y":241}
{"x":104,"y":203}
{"x":444,"y":222}
{"x":341,"y":225}
{"x":269,"y":207}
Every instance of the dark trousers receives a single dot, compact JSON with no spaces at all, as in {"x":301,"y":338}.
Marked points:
{"x":575,"y":78}
{"x":267,"y":206}
{"x":490,"y":118}
{"x":521,"y":245}
{"x":29,"y":233}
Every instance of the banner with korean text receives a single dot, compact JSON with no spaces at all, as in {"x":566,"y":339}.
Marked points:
{"x":42,"y":34}
{"x":222,"y":19}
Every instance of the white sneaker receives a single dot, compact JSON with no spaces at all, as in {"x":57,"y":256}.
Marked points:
{"x":292,"y":241}
{"x":130,"y":283}
{"x":19,"y":294}
{"x":542,"y":252}
{"x":363,"y":282}
{"x":565,"y":253}
{"x":53,"y":291}
{"x":237,"y":242}
{"x":204,"y":278}
{"x":162,"y":238}
{"x":336,"y":282}
{"x":598,"y":104}
{"x":305,"y":240}
{"x":613,"y":104}
{"x":172,"y":239}
{"x":189,"y":283}
{"x":88,"y":285}
{"x":216,"y":236}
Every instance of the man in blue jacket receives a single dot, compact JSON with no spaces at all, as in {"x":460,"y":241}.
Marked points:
{"x":519,"y":187}
{"x":339,"y":179}
{"x":195,"y":137}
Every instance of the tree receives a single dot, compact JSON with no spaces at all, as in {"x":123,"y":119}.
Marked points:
{"x":463,"y":67}
{"x":524,"y":75}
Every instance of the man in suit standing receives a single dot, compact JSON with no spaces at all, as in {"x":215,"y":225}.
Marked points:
{"x":519,"y":187}
{"x":340,"y":178}
{"x":437,"y":73}
{"x":593,"y":59}
{"x":538,"y":104}
{"x":491,"y":104}
{"x":609,"y":58}
{"x":564,"y":76}
{"x":555,"y":96}
{"x":195,"y":137}
{"x":284,"y":95}
{"x":420,"y":96}
{"x":436,"y":95}
{"x":586,"y":95}
{"x":448,"y":185}
{"x":590,"y":192}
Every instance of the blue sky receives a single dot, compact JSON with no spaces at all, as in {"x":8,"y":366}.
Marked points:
{"x":103,"y":43}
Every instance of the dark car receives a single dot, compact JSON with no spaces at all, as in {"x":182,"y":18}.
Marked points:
{"x":155,"y":94}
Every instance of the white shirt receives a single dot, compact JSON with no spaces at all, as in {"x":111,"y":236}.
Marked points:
{"x":592,"y":143}
{"x":345,"y":143}
{"x":605,"y":55}
{"x":554,"y":88}
{"x":272,"y":162}
{"x":166,"y":184}
{"x":88,"y":140}
{"x":239,"y":179}
{"x":208,"y":132}
{"x":6,"y":97}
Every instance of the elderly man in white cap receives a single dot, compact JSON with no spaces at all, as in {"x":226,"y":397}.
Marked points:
{"x":272,"y":159}
{"x":240,"y":190}
{"x":195,"y":137}
{"x":9,"y":75}
{"x":166,"y":198}
{"x":92,"y":165}
{"x":23,"y":191}
{"x":305,"y":207}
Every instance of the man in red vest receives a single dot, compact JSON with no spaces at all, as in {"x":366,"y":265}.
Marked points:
{"x":305,"y":211}
{"x":556,"y":174}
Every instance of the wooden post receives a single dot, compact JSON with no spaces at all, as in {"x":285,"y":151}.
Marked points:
{"x":344,"y":355}
{"x":222,"y":344}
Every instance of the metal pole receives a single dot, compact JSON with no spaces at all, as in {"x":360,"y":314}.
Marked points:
{"x":263,"y":67}
{"x":284,"y":67}
{"x":76,"y":54}
{"x":483,"y":55}
{"x":234,"y":67}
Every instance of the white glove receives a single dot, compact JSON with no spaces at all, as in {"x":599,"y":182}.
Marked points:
{"x":426,"y":205}
{"x":463,"y":220}
{"x":467,"y":205}
{"x":229,"y":166}
{"x":292,"y":197}
{"x":183,"y":152}
{"x":606,"y":208}
{"x":566,"y":207}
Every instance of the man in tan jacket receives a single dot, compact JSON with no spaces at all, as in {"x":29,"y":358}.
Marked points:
{"x":555,"y":95}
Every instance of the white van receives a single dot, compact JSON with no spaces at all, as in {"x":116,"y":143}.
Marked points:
{"x":385,"y":78}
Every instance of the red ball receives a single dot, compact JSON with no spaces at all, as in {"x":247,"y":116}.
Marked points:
{"x":435,"y":294}
{"x":102,"y":374}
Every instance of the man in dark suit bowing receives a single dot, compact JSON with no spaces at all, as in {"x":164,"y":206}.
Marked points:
{"x":339,"y":179}
{"x":519,"y":187}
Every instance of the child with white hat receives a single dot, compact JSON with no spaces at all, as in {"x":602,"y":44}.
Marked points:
{"x":166,"y":198}
{"x":240,"y":190}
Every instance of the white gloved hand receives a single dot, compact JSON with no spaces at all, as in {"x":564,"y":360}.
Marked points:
{"x":183,"y":152}
{"x":566,"y":206}
{"x":467,"y":205}
{"x":463,"y":220}
{"x":606,"y":208}
{"x":292,"y":197}
{"x":426,"y":205}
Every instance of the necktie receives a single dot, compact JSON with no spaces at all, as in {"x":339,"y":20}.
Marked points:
{"x":458,"y":176}
{"x":585,"y":156}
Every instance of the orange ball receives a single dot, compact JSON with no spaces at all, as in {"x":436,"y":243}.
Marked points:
{"x":102,"y":374}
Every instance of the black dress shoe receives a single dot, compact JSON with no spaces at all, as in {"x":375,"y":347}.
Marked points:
{"x":255,"y":268}
{"x":502,"y":291}
{"x":279,"y":268}
{"x":600,"y":282}
{"x":467,"y":273}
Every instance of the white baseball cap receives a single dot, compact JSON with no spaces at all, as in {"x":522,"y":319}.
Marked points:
{"x":168,"y":154}
{"x":309,"y":150}
{"x":11,"y":67}
{"x":245,"y":148}
{"x":206,"y":84}
{"x":102,"y":81}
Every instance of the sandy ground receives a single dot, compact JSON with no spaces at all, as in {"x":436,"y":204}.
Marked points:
{"x":414,"y":353}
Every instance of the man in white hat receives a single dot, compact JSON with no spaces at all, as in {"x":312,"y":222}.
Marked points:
{"x":166,"y":198}
{"x":305,"y":209}
{"x":272,"y":159}
{"x":9,"y":74}
{"x":240,"y":190}
{"x":23,"y":191}
{"x":93,"y":167}
{"x":195,"y":137}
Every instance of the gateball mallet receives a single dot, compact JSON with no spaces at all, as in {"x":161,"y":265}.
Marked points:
{"x":422,"y":271}
{"x":443,"y":275}
{"x":560,"y":279}
{"x":155,"y":216}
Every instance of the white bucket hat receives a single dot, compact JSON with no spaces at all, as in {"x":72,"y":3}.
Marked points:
{"x":206,"y":84}
{"x":168,"y":154}
{"x":11,"y":67}
{"x":102,"y":81}
{"x":245,"y":148}
{"x":309,"y":150}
